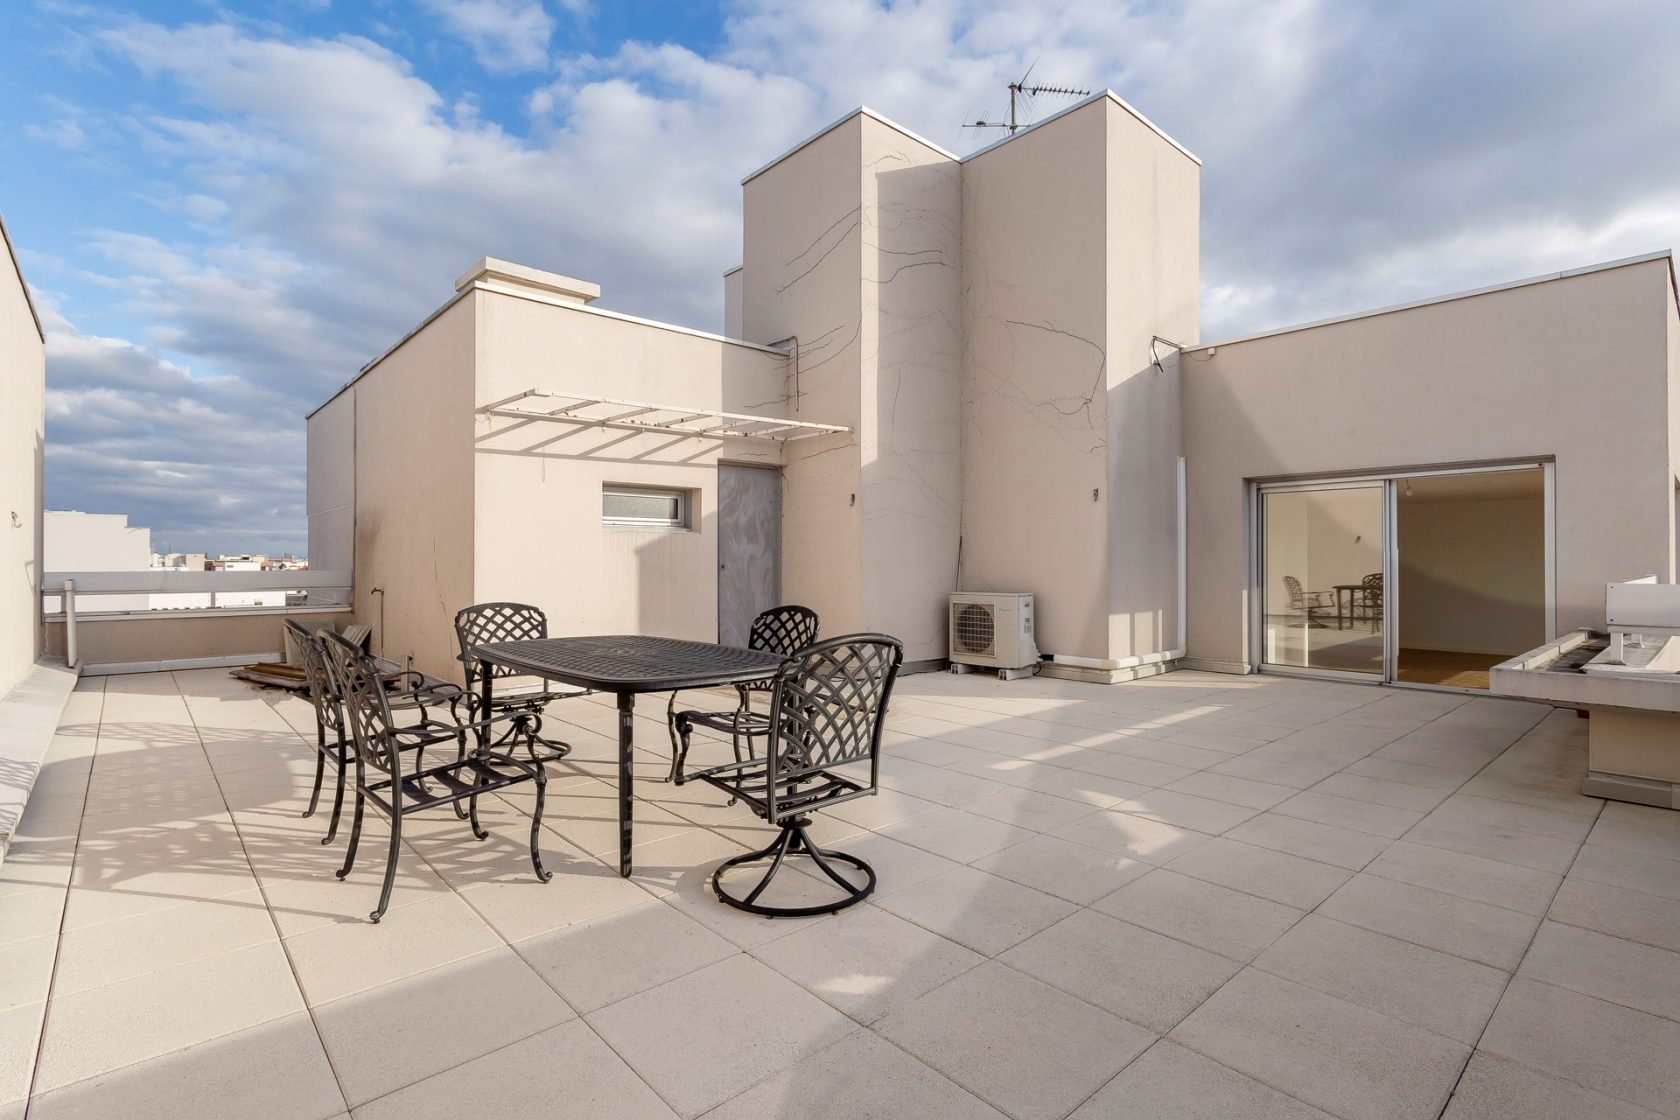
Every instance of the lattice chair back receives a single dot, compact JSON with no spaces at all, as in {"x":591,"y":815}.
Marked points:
{"x":484,"y":623}
{"x":322,"y":692}
{"x":826,"y":711}
{"x":1297,"y":599}
{"x":786,"y":630}
{"x":367,"y":711}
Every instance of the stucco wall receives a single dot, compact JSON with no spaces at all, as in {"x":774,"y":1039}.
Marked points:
{"x":414,"y":491}
{"x":910,"y":380}
{"x":331,"y":487}
{"x":1035,"y":403}
{"x":802,"y":248}
{"x":1153,"y":274}
{"x":539,"y":536}
{"x":22,"y":381}
{"x":167,"y":636}
{"x":1572,"y":368}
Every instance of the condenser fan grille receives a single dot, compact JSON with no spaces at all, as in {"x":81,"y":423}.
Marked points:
{"x":973,"y":628}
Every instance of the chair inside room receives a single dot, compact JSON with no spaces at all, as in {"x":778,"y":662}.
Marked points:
{"x":1309,"y":603}
{"x":394,"y":791}
{"x":786,"y":629}
{"x":1368,"y":600}
{"x":486,"y":623}
{"x":827,"y":704}
{"x":416,"y":701}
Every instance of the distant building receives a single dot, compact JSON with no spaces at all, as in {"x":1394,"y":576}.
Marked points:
{"x":99,"y":542}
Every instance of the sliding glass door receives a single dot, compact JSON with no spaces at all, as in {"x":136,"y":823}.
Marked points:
{"x":1322,"y":581}
{"x":1428,"y":578}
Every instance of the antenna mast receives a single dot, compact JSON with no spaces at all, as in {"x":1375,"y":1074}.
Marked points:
{"x":1020,"y":91}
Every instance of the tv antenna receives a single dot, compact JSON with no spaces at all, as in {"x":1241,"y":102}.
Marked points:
{"x":1020,"y":93}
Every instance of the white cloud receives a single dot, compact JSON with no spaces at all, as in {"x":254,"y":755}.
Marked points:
{"x":504,"y":34}
{"x":1356,"y":154}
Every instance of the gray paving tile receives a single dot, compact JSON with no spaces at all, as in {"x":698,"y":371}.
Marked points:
{"x":1206,"y":915}
{"x":1279,"y":876}
{"x":1139,"y":975}
{"x":1472,"y":930}
{"x":1496,"y":1088}
{"x":1596,"y":964}
{"x":1019,"y":1044}
{"x":1348,"y":1060}
{"x":1647,"y":918}
{"x":1170,"y":1082}
{"x":1604,"y":1047}
{"x":1438,"y":992}
{"x":982,"y":911}
{"x":1473,"y":877}
{"x":861,"y":1077}
{"x":1311,"y":840}
{"x":1074,"y":872}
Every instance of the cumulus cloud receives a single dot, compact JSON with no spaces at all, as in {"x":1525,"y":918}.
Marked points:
{"x":1356,"y":154}
{"x":511,"y":34}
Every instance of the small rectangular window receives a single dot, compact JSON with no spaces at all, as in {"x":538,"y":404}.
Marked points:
{"x":638,"y":505}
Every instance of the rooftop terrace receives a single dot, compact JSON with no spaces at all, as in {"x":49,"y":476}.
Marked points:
{"x":1190,"y":896}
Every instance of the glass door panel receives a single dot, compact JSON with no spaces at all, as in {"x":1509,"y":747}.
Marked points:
{"x":1322,"y":604}
{"x":1471,"y":584}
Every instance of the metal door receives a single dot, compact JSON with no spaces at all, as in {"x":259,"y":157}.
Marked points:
{"x":749,"y":547}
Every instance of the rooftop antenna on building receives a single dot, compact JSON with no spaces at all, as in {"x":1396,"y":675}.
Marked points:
{"x":1021,"y":95}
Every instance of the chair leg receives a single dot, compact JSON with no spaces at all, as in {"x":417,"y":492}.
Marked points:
{"x":680,"y":757}
{"x":390,"y":861}
{"x":472,"y":814}
{"x":671,"y":729}
{"x":338,"y":792}
{"x":536,"y":828}
{"x":460,"y":756}
{"x":355,"y":837}
{"x":320,"y":767}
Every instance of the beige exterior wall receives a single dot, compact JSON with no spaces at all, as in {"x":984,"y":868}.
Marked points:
{"x":1575,"y":369}
{"x":414,"y":491}
{"x":1080,"y":243}
{"x":22,"y":432}
{"x":910,"y":378}
{"x":331,"y":499}
{"x":803,"y":278}
{"x":539,"y":536}
{"x":1035,"y":403}
{"x":1153,"y":288}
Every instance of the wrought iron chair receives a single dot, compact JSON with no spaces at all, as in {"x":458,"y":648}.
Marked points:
{"x":484,"y":623}
{"x":380,"y":777}
{"x":827,"y":704}
{"x":786,"y":630}
{"x":1308,"y":603}
{"x":1368,"y":599}
{"x":413,"y":694}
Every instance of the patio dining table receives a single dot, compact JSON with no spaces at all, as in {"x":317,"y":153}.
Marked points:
{"x":626,"y":665}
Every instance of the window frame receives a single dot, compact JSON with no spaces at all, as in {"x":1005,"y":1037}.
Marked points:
{"x":684,"y":497}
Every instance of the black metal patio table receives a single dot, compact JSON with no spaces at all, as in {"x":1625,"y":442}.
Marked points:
{"x":626,"y":664}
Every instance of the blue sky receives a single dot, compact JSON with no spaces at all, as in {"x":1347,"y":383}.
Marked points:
{"x":225,"y":208}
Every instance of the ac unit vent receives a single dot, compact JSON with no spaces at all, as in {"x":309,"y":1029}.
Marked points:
{"x":992,"y":629}
{"x":972,"y":628}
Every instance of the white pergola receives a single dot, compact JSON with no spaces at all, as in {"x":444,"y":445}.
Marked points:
{"x":640,"y":416}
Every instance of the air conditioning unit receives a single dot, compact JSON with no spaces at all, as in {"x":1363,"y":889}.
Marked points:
{"x":993,"y":630}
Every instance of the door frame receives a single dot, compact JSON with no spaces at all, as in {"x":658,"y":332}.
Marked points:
{"x":1389,"y":481}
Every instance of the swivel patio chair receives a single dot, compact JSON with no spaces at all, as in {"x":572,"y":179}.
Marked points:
{"x":383,"y":782}
{"x":415,"y":696}
{"x":1309,"y":603}
{"x":827,"y":705}
{"x":485,"y":623}
{"x":786,"y":629}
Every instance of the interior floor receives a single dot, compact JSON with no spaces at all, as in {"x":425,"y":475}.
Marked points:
{"x":1446,"y":667}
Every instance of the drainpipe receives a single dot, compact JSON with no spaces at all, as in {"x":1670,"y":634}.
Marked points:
{"x":70,"y":622}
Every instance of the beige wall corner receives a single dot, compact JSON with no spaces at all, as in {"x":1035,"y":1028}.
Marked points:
{"x":1153,"y":278}
{"x":22,"y":439}
{"x":803,"y":260}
